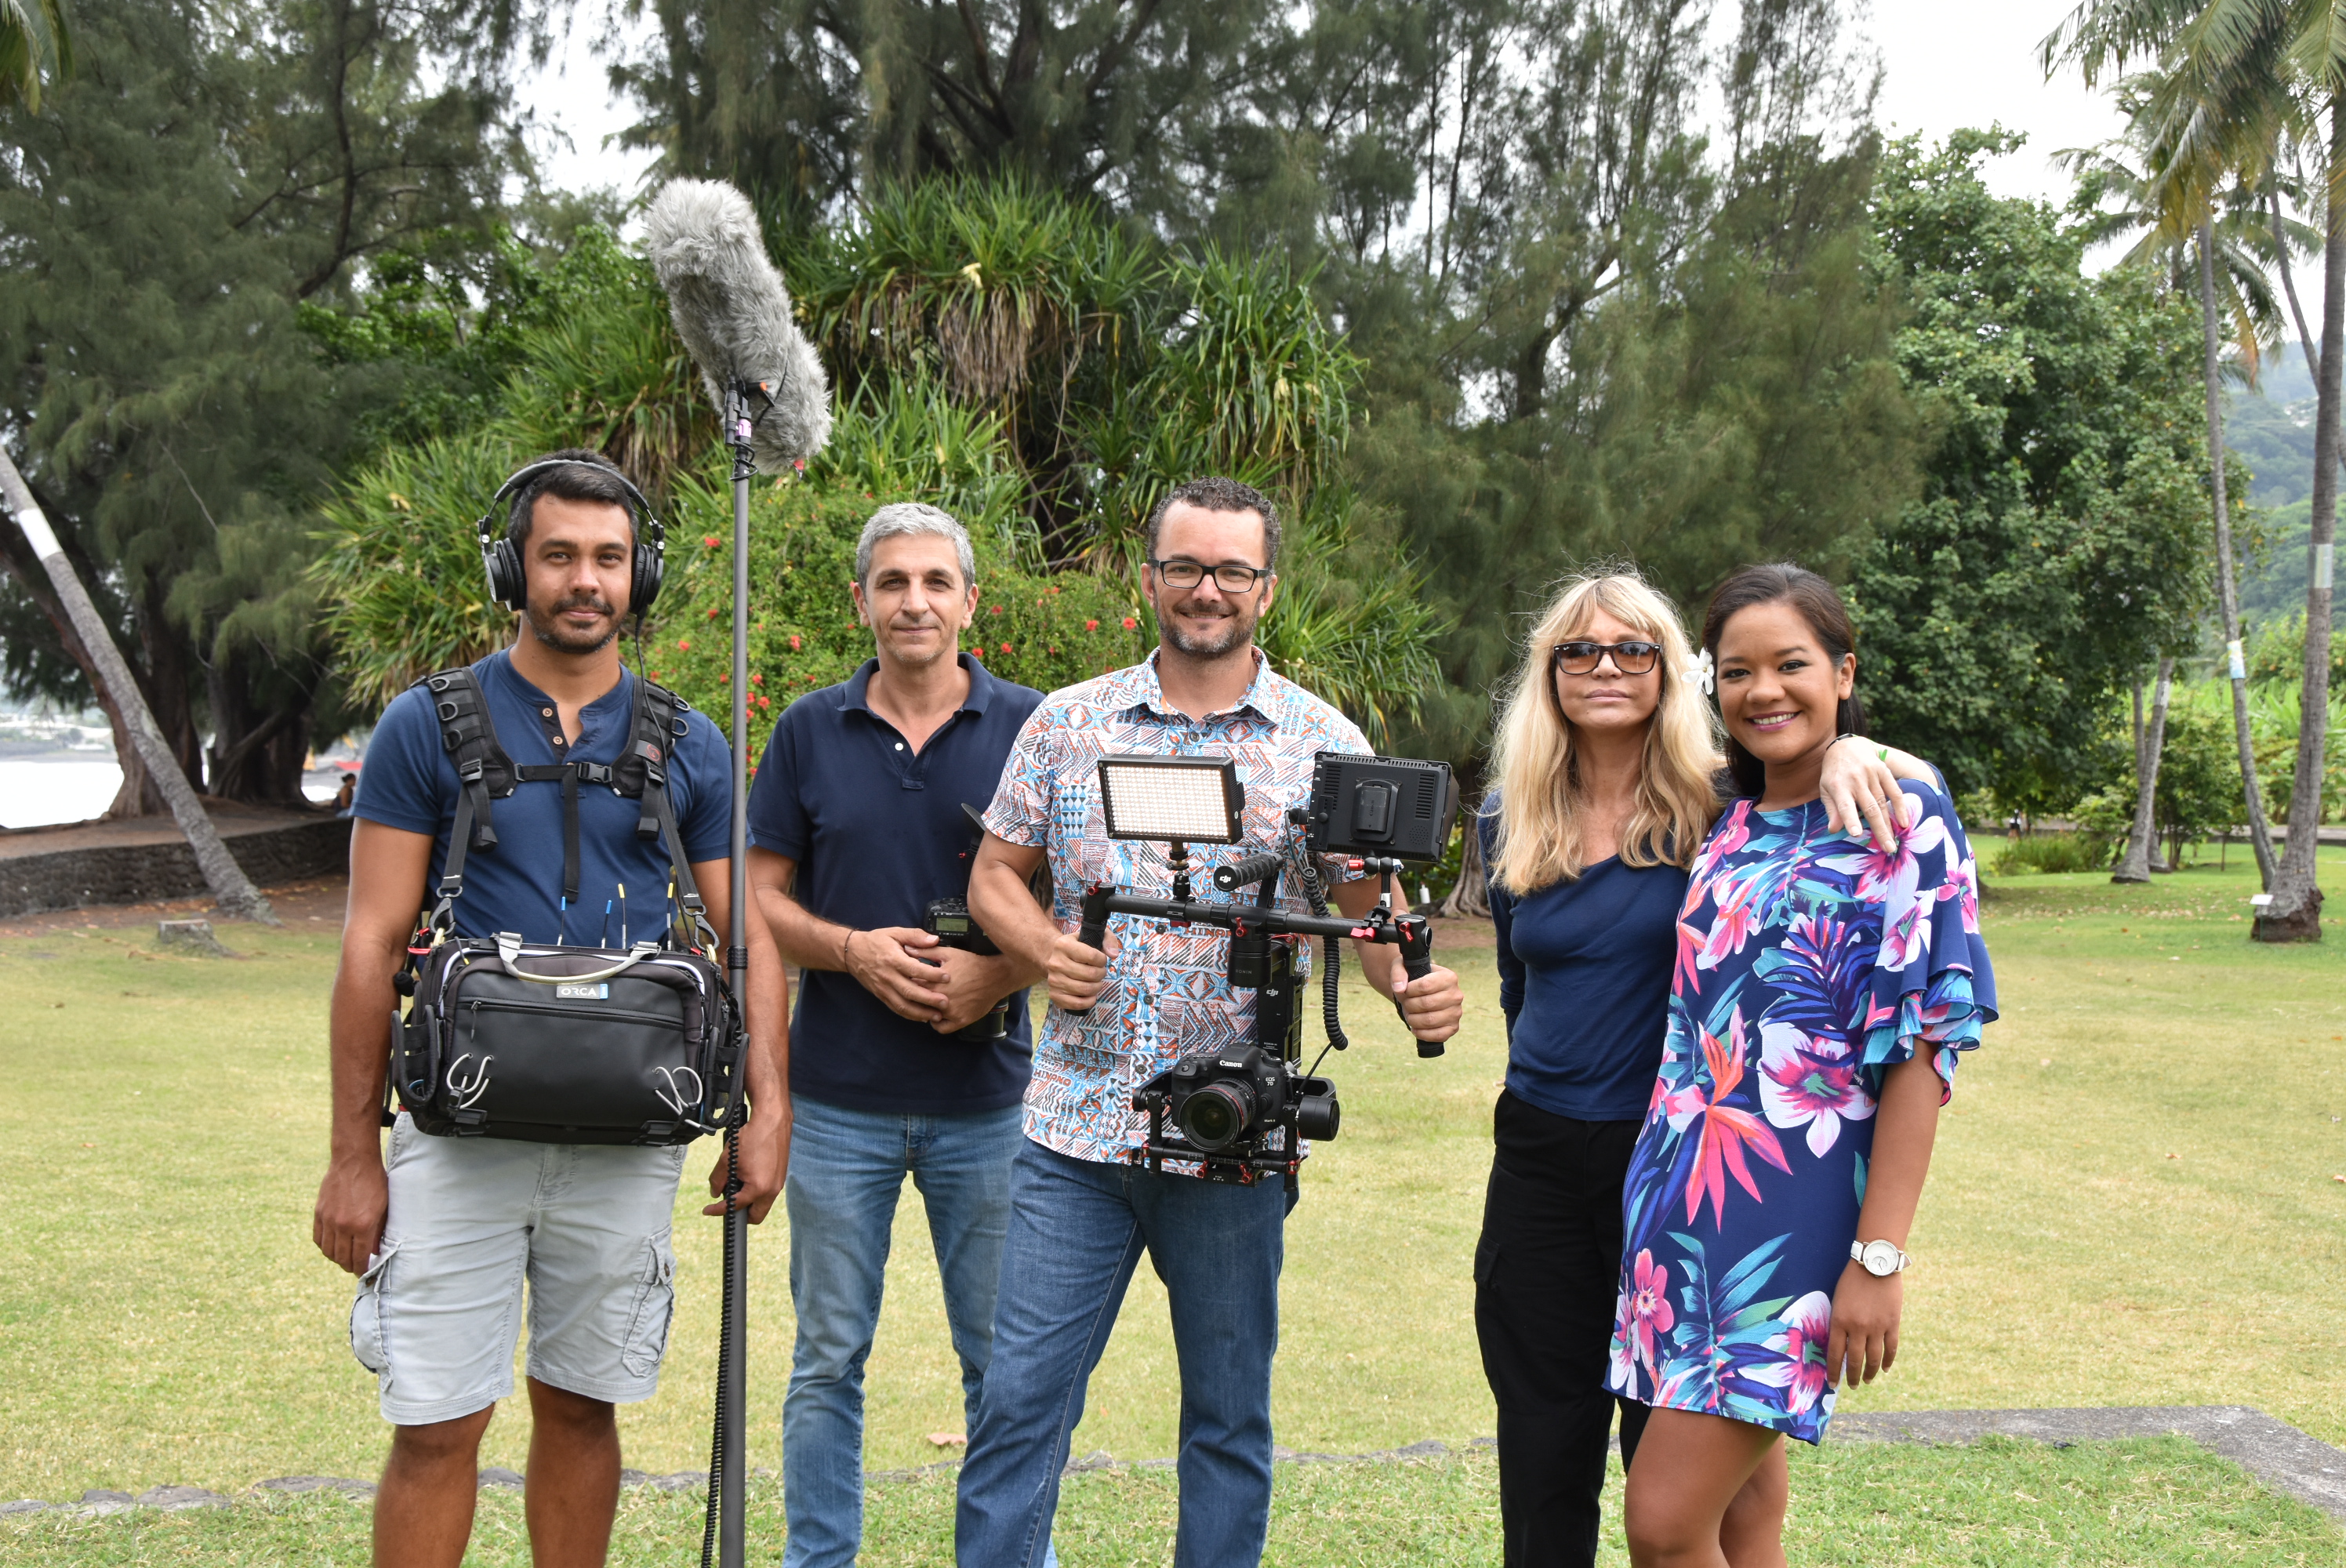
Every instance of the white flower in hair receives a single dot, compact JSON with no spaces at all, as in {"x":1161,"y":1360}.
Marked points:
{"x":1699,"y":673}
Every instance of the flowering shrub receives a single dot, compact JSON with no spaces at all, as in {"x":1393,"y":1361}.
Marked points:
{"x":1044,"y":632}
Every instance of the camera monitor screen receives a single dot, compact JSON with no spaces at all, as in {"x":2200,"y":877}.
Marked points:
{"x":1383,"y":806}
{"x":1187,"y":800}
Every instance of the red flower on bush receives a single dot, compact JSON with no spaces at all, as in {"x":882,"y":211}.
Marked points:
{"x":765,"y":702}
{"x":1130,"y":623}
{"x":1054,"y":647}
{"x":1006,"y":647}
{"x":756,"y":680}
{"x":977,"y":654}
{"x":684,"y":644}
{"x":723,"y":679}
{"x":1091,"y":625}
{"x":713,"y":612}
{"x":711,"y":540}
{"x":794,"y":643}
{"x":994,"y":609}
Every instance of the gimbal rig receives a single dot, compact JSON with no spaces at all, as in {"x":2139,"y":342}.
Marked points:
{"x":1242,"y":1113}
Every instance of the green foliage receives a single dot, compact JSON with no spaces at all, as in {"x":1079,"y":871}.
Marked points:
{"x":2058,"y":544}
{"x":2085,"y":850}
{"x":807,"y":107}
{"x":966,"y":385}
{"x":34,"y":44}
{"x":206,"y":171}
{"x":2277,"y":658}
{"x":1112,"y":370}
{"x":1040,"y":631}
{"x":2198,"y":788}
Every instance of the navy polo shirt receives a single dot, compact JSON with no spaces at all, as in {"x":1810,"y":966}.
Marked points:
{"x":410,"y":782}
{"x":1585,"y":983}
{"x":878,"y":831}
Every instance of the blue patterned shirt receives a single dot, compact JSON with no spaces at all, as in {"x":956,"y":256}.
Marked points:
{"x":1169,"y":993}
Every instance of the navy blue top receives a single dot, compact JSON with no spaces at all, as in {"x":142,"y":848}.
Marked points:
{"x":410,"y":783}
{"x":1585,"y":981}
{"x":877,"y":832}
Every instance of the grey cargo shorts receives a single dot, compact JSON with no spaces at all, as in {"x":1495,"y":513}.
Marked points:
{"x":471,"y":1219}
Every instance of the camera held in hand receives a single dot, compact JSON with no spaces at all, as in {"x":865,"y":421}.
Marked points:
{"x":950,"y":922}
{"x":1237,"y":1096}
{"x":1240,"y":1112}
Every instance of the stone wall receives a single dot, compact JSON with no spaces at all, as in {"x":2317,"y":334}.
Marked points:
{"x":143,"y":873}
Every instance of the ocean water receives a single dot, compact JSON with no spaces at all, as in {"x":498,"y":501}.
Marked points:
{"x":35,"y":791}
{"x":38,"y":791}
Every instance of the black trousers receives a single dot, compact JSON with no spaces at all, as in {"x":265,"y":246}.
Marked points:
{"x":1547,"y":1275}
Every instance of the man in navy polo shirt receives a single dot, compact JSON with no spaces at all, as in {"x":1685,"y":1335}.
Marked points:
{"x":445,"y":1238}
{"x":856,"y":823}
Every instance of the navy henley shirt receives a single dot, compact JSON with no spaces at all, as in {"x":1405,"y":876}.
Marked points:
{"x":1585,"y":983}
{"x":409,"y":782}
{"x":878,"y":831}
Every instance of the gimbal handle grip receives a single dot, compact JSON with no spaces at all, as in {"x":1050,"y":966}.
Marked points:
{"x":1094,"y":931}
{"x":1416,"y":943}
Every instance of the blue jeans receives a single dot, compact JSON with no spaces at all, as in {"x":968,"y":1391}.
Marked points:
{"x":847,"y":1168}
{"x":1078,"y":1228}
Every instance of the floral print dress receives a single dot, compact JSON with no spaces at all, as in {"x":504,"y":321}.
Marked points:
{"x":1809,"y":964}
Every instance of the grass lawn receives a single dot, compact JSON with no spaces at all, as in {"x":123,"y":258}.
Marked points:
{"x":2134,"y":1202}
{"x":2125,"y":1505}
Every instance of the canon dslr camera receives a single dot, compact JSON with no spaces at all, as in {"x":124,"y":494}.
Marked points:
{"x":950,"y":922}
{"x":1234,"y":1097}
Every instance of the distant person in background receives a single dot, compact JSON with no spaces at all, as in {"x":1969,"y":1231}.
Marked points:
{"x":1820,"y":995}
{"x":346,"y":794}
{"x":1607,"y":779}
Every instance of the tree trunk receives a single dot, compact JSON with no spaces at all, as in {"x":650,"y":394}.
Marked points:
{"x":2295,"y":912}
{"x":2228,"y":590}
{"x":234,"y":891}
{"x":1471,"y":894}
{"x":2134,"y":865}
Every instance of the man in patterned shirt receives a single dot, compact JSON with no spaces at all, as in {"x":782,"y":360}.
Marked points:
{"x":1081,"y":1213}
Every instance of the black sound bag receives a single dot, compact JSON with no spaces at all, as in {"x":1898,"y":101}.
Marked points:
{"x":544,"y":1042}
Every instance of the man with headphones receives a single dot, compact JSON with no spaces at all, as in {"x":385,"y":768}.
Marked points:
{"x":446,"y":1238}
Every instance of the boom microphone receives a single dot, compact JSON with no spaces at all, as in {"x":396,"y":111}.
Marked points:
{"x":734,"y":315}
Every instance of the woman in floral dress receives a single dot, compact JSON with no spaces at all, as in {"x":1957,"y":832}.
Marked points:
{"x":1821,"y":991}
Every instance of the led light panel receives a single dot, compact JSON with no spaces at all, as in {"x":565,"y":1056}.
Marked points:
{"x":1194,"y":800}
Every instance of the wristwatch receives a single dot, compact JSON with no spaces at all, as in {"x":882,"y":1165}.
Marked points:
{"x":1880,"y":1259}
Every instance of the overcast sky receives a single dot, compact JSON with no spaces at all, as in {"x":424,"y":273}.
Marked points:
{"x":1943,"y":66}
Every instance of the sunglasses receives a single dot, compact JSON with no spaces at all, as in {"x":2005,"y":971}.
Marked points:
{"x":1583,"y":657}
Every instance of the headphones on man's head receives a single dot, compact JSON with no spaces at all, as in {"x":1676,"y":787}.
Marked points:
{"x":509,"y":583}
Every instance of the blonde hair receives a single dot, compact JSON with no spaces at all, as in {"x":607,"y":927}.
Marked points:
{"x":1541,"y":795}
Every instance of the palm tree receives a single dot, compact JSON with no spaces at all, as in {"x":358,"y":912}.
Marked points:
{"x":2223,"y":258}
{"x":2236,"y":77}
{"x":33,"y":43}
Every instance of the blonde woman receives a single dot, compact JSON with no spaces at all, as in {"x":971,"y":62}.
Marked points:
{"x":1608,"y":777}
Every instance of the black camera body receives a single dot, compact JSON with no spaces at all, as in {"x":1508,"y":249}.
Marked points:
{"x":950,"y":922}
{"x":1236,"y":1098}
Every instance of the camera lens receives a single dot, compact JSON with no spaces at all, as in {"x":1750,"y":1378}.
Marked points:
{"x":1317,"y":1115}
{"x":1217,"y":1115}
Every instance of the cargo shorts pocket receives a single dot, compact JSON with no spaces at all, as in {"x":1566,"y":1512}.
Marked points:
{"x":648,"y":1326}
{"x":369,"y":1343}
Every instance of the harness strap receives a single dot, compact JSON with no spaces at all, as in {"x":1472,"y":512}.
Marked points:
{"x":656,"y":796}
{"x":485,"y":772}
{"x":568,"y":775}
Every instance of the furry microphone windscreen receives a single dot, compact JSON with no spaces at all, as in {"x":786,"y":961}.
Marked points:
{"x":734,"y":315}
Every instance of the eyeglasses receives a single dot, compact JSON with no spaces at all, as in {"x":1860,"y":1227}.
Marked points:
{"x":1229,"y":578}
{"x":1629,"y":659}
